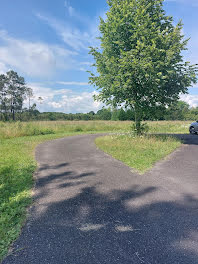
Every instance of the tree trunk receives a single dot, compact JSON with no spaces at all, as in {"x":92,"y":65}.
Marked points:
{"x":138,"y":121}
{"x":13,"y":113}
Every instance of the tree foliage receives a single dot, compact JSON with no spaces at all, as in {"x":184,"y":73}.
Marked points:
{"x":139,"y":62}
{"x":13,"y":92}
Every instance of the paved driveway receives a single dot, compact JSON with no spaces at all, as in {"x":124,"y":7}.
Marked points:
{"x":92,"y":209}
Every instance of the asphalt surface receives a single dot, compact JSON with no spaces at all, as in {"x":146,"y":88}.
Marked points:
{"x":92,"y":209}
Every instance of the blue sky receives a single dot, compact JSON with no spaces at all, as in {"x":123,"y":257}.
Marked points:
{"x":47,"y":42}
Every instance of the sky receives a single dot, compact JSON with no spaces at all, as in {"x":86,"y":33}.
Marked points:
{"x":47,"y":42}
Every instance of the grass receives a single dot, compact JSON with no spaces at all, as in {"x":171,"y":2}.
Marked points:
{"x":21,"y":129}
{"x":18,"y":141}
{"x":17,"y":165}
{"x":139,"y":153}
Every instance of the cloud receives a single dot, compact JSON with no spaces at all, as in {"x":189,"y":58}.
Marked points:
{"x":72,"y":36}
{"x":64,"y":100}
{"x":86,"y":63}
{"x":74,"y":83}
{"x":55,"y":105}
{"x":192,"y":100}
{"x":34,"y":59}
{"x":70,"y":9}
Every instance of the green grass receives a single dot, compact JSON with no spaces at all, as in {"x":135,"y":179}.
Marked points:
{"x":20,"y":129}
{"x":17,"y":165}
{"x":139,"y":153}
{"x":18,"y":141}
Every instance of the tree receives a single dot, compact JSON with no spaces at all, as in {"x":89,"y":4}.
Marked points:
{"x":16,"y":91}
{"x":139,"y":62}
{"x":104,"y":114}
{"x":13,"y":92}
{"x":29,"y":95}
{"x":3,"y":97}
{"x":178,"y":111}
{"x":122,"y":115}
{"x":91,"y":113}
{"x":40,"y":99}
{"x":130,"y":114}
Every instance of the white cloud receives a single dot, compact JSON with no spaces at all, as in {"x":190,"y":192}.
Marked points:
{"x":55,"y":105}
{"x":35,"y":59}
{"x":192,"y":100}
{"x":82,"y":69}
{"x":64,"y":100}
{"x":71,"y":35}
{"x":87,"y":63}
{"x":74,"y":83}
{"x":70,"y":9}
{"x":80,"y":102}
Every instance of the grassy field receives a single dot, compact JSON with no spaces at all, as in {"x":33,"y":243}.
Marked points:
{"x":20,"y":129}
{"x":18,"y":141}
{"x":139,"y":153}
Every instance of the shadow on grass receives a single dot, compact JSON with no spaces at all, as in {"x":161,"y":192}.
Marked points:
{"x":86,"y":225}
{"x":189,"y":139}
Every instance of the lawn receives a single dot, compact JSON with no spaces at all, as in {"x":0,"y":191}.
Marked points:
{"x":139,"y":153}
{"x":17,"y":164}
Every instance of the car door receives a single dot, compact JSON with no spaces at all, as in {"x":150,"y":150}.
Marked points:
{"x":196,"y":126}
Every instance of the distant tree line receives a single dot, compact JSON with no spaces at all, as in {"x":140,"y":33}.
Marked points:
{"x":178,"y":111}
{"x":14,"y":91}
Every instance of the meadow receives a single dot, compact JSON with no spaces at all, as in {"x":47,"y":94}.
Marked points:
{"x":17,"y":164}
{"x":35,"y":128}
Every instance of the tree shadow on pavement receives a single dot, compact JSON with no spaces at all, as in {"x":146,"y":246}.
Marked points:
{"x":93,"y":226}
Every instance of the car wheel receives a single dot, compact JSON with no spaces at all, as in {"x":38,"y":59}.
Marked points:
{"x":192,"y":130}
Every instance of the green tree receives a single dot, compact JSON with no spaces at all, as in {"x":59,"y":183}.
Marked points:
{"x":16,"y":91}
{"x":3,"y":97}
{"x":104,"y":114}
{"x":122,"y":115}
{"x":192,"y":114}
{"x":13,"y":92}
{"x":178,"y":111}
{"x":114,"y":114}
{"x":130,"y":114}
{"x":139,"y":62}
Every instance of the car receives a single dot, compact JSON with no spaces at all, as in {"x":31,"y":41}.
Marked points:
{"x":193,"y":129}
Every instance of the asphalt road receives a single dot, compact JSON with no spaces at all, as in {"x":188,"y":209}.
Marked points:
{"x":92,"y":209}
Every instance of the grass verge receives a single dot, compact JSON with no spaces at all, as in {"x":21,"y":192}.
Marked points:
{"x":139,"y":153}
{"x":17,"y":165}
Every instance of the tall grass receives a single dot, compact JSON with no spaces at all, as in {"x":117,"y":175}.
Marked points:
{"x":20,"y":129}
